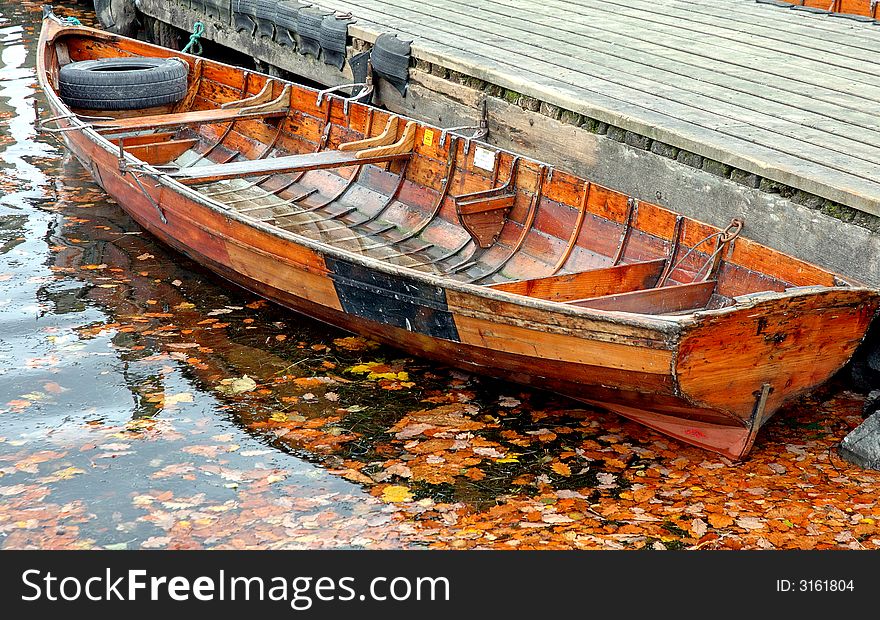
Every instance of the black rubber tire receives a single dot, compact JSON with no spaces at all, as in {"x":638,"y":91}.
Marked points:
{"x":123,"y":83}
{"x":245,"y":7}
{"x":265,"y":9}
{"x":287,"y":14}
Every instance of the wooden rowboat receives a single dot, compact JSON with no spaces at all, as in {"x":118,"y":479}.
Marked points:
{"x":461,"y":252}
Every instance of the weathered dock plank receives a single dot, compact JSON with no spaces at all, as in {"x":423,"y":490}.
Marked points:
{"x":790,"y":97}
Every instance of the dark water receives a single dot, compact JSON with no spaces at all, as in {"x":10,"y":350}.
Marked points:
{"x":145,"y":403}
{"x":97,"y":419}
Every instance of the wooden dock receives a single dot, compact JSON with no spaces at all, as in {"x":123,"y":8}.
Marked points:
{"x":787,"y":95}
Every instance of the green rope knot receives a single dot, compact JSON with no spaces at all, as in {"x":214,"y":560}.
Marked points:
{"x":72,"y":21}
{"x":195,"y":46}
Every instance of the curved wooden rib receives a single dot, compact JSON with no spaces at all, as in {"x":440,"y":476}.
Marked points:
{"x":673,"y":251}
{"x":193,"y":88}
{"x":438,"y":203}
{"x":388,"y":202}
{"x":368,"y":129}
{"x":264,"y":96}
{"x":631,"y":207}
{"x":576,"y":232}
{"x":256,"y":99}
{"x":527,"y":227}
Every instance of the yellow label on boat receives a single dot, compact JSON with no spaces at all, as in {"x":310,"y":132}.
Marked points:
{"x":428,"y":139}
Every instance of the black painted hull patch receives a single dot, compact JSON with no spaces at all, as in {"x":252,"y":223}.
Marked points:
{"x":392,"y":300}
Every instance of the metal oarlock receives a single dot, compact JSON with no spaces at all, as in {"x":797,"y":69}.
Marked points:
{"x":480,"y":130}
{"x":41,"y":122}
{"x":366,"y":89}
{"x":124,"y":169}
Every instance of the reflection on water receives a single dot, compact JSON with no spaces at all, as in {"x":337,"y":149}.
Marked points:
{"x":88,"y":454}
{"x":143,"y":403}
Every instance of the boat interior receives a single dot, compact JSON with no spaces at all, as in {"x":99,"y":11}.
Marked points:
{"x":372,"y":183}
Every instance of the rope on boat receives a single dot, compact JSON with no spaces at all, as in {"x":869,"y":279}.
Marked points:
{"x":195,"y":46}
{"x":71,"y":21}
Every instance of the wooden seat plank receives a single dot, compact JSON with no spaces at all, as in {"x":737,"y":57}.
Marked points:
{"x":182,"y":118}
{"x":275,"y":165}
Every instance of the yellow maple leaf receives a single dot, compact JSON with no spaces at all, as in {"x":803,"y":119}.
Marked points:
{"x":382,"y":375}
{"x":510,"y":458}
{"x":396,"y":493}
{"x":67,"y":473}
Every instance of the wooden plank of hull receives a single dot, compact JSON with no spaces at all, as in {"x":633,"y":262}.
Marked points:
{"x":592,"y":283}
{"x":654,"y":300}
{"x":160,"y":152}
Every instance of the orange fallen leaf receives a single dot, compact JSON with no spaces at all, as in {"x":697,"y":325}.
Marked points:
{"x":561,"y":468}
{"x":720,"y":520}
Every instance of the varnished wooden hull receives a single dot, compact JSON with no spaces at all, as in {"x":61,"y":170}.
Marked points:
{"x":708,"y":378}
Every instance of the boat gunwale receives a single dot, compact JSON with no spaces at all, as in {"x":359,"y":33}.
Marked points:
{"x":668,"y":325}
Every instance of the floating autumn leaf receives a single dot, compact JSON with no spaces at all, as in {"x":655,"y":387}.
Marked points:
{"x":751,"y":523}
{"x":311,"y":382}
{"x":181,"y":397}
{"x":396,"y":494}
{"x":510,"y":458}
{"x":18,"y":404}
{"x":561,"y":468}
{"x":145,"y":256}
{"x":720,"y":520}
{"x":643,"y":494}
{"x":699,"y":528}
{"x":54,"y":388}
{"x":355,"y":343}
{"x":355,"y":476}
{"x":185,"y":305}
{"x":238,"y":385}
{"x":63,"y":474}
